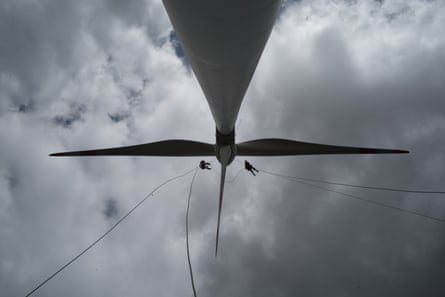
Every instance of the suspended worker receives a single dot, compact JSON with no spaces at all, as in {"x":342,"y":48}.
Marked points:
{"x":250,"y":168}
{"x":204,"y":165}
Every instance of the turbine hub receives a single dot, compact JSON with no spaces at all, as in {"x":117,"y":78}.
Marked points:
{"x":225,"y":148}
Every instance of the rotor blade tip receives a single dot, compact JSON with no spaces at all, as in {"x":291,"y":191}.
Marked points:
{"x":381,"y":151}
{"x":400,"y":151}
{"x":57,"y":154}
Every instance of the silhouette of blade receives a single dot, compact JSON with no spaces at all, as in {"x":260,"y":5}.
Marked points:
{"x":221,"y":193}
{"x":285,"y":147}
{"x":170,"y":148}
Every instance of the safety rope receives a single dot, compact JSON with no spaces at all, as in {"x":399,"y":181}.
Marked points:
{"x":355,"y":186}
{"x":187,"y":233}
{"x":108,"y":231}
{"x":293,"y":179}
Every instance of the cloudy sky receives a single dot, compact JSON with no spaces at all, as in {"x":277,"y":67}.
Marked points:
{"x":85,"y":74}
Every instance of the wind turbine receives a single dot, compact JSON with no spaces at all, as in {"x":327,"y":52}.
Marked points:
{"x":223,"y":40}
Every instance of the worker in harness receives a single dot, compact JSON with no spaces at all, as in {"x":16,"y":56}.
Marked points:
{"x":204,"y":165}
{"x":250,"y":168}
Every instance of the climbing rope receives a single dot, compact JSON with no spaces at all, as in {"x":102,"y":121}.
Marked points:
{"x":300,"y":181}
{"x":355,"y":186}
{"x":187,"y":232}
{"x":107,"y":232}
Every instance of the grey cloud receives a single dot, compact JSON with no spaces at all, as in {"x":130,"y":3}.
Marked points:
{"x":118,"y":117}
{"x":332,"y":72}
{"x":110,"y":210}
{"x":74,"y":115}
{"x":37,"y":41}
{"x":26,"y":107}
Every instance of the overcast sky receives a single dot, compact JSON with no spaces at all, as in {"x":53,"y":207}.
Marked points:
{"x":86,"y":74}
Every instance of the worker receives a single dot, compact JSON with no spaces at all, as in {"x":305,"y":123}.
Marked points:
{"x":204,"y":165}
{"x":250,"y":168}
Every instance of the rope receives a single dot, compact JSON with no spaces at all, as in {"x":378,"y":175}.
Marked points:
{"x":187,"y":233}
{"x":356,"y":186}
{"x":358,"y":198}
{"x":107,"y":232}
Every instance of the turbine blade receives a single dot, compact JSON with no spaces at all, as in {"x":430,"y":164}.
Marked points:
{"x":170,"y":148}
{"x":221,"y":193}
{"x":285,"y":147}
